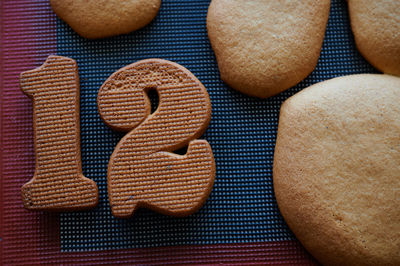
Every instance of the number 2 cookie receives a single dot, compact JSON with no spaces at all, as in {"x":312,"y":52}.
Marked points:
{"x":143,"y":171}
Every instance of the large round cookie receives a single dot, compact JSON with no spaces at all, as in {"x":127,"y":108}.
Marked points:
{"x":337,"y":169}
{"x":104,"y":18}
{"x":376,"y":28}
{"x":265,"y":47}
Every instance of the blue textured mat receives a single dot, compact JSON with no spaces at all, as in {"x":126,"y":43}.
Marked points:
{"x":242,"y":207}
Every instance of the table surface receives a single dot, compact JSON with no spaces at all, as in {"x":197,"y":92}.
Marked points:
{"x":240,"y":222}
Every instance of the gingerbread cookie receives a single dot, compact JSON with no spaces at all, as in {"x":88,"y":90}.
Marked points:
{"x":337,"y":169}
{"x":376,"y":29}
{"x":104,"y":18}
{"x":142,"y":171}
{"x":266,"y":47}
{"x":58,"y":183}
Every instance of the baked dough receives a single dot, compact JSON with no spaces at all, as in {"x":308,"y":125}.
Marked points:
{"x":337,"y":169}
{"x":94,"y":19}
{"x":265,"y":47}
{"x":144,"y":171}
{"x":376,"y":28}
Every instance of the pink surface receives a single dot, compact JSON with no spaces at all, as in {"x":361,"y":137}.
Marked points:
{"x":25,"y":43}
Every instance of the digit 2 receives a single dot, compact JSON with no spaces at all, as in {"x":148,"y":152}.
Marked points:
{"x":142,"y":171}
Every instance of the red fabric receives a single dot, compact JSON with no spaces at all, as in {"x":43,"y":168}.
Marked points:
{"x":21,"y":50}
{"x":27,"y":37}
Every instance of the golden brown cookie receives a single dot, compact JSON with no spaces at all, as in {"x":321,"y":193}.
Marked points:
{"x":142,"y":171}
{"x":58,"y":183}
{"x":265,"y":47}
{"x":104,"y":18}
{"x":337,"y":169}
{"x":376,"y":29}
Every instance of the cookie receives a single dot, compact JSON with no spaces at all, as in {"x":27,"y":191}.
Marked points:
{"x":265,"y":47}
{"x":143,"y":171}
{"x":94,"y":19}
{"x":58,"y":183}
{"x":376,"y":29}
{"x":336,"y":169}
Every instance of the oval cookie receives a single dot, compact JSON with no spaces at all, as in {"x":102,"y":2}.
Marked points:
{"x":376,"y":29}
{"x":266,"y":47}
{"x":337,"y":169}
{"x":143,"y":171}
{"x":94,"y":19}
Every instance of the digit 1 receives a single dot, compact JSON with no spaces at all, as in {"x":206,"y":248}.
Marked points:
{"x":58,"y":183}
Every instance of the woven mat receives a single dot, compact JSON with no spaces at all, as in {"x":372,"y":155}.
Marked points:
{"x":240,"y":222}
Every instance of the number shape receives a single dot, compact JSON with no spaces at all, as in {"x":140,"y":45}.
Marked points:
{"x":142,"y":172}
{"x":58,"y":183}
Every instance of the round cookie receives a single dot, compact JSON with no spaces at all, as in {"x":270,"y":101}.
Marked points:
{"x":94,"y":19}
{"x":266,"y":47}
{"x":376,"y":29}
{"x":337,"y":169}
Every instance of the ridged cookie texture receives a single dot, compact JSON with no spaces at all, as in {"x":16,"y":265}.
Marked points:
{"x":336,"y":169}
{"x":376,"y":29}
{"x":265,"y":47}
{"x":58,"y":183}
{"x":95,"y":19}
{"x":142,"y":171}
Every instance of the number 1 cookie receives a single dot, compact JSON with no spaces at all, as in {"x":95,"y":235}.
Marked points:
{"x":58,"y":183}
{"x":143,"y":171}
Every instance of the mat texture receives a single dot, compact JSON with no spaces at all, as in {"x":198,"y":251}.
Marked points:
{"x":240,"y":222}
{"x":242,"y":133}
